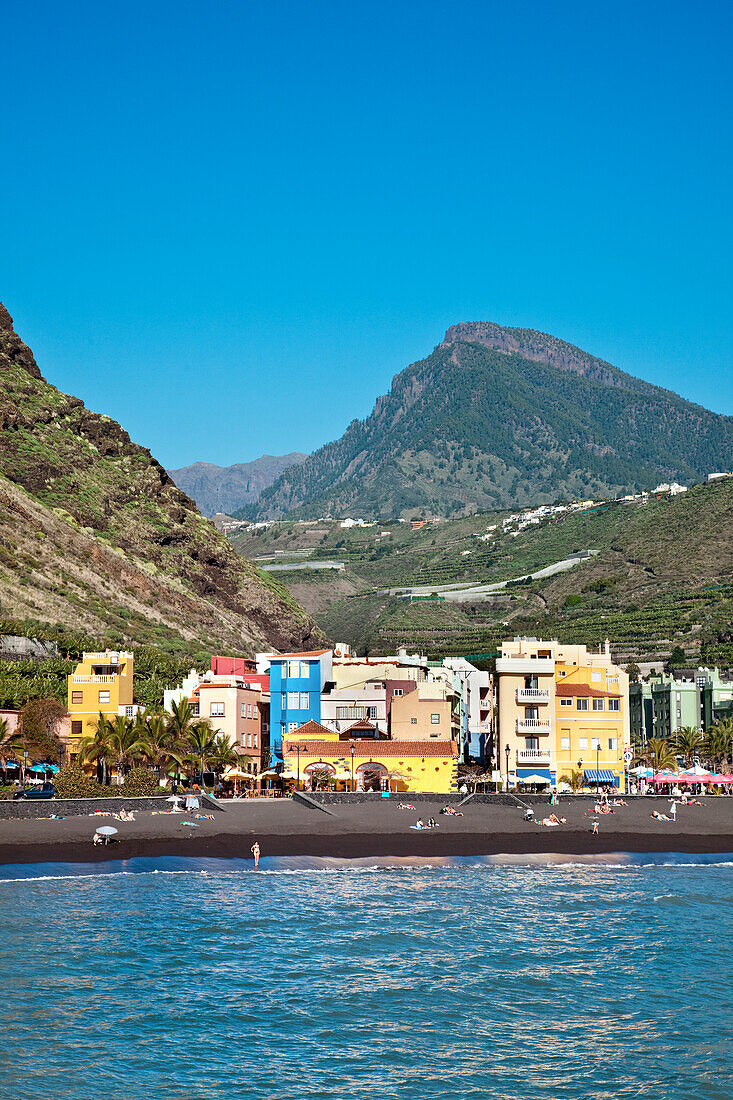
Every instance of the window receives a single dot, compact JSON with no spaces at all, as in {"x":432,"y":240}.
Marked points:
{"x":413,"y":721}
{"x":561,"y":672}
{"x":242,"y":712}
{"x":598,"y":704}
{"x":195,"y":710}
{"x":583,"y":743}
{"x":255,"y":711}
{"x":77,"y":697}
{"x":254,"y":740}
{"x":249,"y":710}
{"x":434,"y":719}
{"x":582,"y":704}
{"x":294,"y":668}
{"x":217,"y":710}
{"x":614,"y":704}
{"x":292,"y":727}
{"x":566,"y":702}
{"x":104,"y":696}
{"x":249,"y":740}
{"x":565,"y":743}
{"x":531,"y":743}
{"x":293,"y":700}
{"x":129,"y":712}
{"x":595,"y":743}
{"x":76,"y":729}
{"x":613,"y":742}
{"x":398,"y":691}
{"x":304,"y":700}
{"x":342,"y":712}
{"x":371,"y":712}
{"x":595,"y":677}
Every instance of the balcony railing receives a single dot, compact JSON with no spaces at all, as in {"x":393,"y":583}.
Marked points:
{"x":533,"y":725}
{"x":533,"y":695}
{"x":533,"y":756}
{"x":93,"y":679}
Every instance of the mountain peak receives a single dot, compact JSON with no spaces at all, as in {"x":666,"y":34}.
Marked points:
{"x":537,"y":346}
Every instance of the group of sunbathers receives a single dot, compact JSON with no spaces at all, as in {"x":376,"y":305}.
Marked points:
{"x":431,"y":823}
{"x":553,"y":820}
{"x":451,"y":812}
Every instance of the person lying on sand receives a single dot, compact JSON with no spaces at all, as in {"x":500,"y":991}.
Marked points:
{"x":553,"y":820}
{"x":405,"y":806}
{"x":451,"y":812}
{"x":659,"y":817}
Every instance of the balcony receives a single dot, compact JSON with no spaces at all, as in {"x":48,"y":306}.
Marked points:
{"x":533,"y":756}
{"x":533,"y":695}
{"x":533,"y":725}
{"x":93,"y":679}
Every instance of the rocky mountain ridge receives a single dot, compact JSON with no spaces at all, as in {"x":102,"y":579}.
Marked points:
{"x":227,"y":488}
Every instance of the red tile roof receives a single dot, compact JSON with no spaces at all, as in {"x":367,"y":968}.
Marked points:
{"x":584,"y":691}
{"x":369,"y":748}
{"x":311,"y":729}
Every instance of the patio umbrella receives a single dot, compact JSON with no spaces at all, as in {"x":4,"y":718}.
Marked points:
{"x":534,"y":779}
{"x":106,"y":830}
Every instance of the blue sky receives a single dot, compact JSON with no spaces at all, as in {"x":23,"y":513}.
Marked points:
{"x":228,"y":224}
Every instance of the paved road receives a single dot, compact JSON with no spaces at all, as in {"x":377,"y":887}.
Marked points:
{"x":463,"y":593}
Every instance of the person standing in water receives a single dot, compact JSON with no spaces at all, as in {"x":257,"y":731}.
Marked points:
{"x":255,"y":850}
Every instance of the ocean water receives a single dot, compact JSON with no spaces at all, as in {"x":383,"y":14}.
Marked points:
{"x":404,"y":979}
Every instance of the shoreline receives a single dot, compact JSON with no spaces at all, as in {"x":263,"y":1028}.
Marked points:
{"x":367,"y":829}
{"x":361,"y":846}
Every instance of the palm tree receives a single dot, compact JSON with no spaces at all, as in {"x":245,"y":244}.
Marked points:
{"x":181,"y":720}
{"x":201,"y":738}
{"x":658,"y":754}
{"x":96,"y":749}
{"x":576,"y":779}
{"x":719,"y":742}
{"x":222,"y":753}
{"x":10,"y":743}
{"x":123,"y":743}
{"x":159,"y":745}
{"x":687,"y":741}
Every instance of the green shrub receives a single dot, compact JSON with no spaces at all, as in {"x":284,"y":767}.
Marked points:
{"x":73,"y":782}
{"x":140,"y":783}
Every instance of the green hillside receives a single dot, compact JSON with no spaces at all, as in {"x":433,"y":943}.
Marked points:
{"x":95,"y":537}
{"x":503,"y":418}
{"x":662,"y":576}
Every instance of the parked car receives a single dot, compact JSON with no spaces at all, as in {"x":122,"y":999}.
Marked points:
{"x":46,"y":791}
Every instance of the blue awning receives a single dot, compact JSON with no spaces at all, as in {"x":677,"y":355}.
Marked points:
{"x":602,"y":776}
{"x":522,"y":773}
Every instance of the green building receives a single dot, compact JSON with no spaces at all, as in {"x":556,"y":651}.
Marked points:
{"x":663,"y":703}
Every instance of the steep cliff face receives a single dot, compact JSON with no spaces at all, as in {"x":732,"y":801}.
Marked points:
{"x":139,"y":533}
{"x":502,"y":417}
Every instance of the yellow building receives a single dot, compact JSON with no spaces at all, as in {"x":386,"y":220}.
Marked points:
{"x":102,"y":683}
{"x":561,"y":708}
{"x":374,"y":764}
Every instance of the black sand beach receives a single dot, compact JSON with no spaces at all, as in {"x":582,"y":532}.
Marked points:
{"x":378,"y":828}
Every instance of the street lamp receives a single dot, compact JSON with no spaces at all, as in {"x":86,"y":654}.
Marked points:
{"x":507,"y":751}
{"x":298,"y":750}
{"x":353,"y":750}
{"x":598,"y":769}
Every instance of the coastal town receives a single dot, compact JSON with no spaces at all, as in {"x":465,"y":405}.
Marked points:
{"x":544,"y":717}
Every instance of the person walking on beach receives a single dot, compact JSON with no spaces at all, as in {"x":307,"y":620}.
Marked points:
{"x":595,"y":828}
{"x":255,"y":850}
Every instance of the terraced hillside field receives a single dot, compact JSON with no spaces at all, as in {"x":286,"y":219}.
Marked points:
{"x":662,"y":576}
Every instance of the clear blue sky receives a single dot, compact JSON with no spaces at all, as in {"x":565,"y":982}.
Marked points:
{"x":229,"y":224}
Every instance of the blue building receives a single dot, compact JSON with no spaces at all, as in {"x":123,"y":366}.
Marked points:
{"x":296,"y":683}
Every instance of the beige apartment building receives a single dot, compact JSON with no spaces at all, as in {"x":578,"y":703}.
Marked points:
{"x":234,"y":708}
{"x":422,"y":713}
{"x":561,"y":708}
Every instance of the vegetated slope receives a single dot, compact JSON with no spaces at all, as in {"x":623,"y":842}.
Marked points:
{"x":500,"y":418}
{"x":663,"y":577}
{"x":95,"y":535}
{"x":229,"y":488}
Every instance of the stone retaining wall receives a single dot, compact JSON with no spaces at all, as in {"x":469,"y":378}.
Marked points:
{"x":76,"y":807}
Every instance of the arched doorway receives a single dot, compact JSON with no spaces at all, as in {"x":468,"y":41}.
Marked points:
{"x":372,"y":777}
{"x":319,"y":775}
